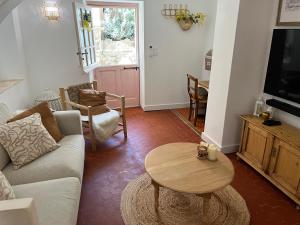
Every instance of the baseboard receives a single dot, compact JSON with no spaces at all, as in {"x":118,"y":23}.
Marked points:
{"x":225,"y":148}
{"x":230,"y":148}
{"x":165,"y":106}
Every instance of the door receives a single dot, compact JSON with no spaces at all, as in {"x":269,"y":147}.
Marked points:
{"x":257,"y":145}
{"x":285,"y":166}
{"x":85,"y":36}
{"x":115,"y":27}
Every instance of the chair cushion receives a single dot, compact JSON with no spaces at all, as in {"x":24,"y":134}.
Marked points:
{"x":56,"y":201}
{"x":104,"y":124}
{"x":47,"y":118}
{"x":73,"y":91}
{"x":90,"y":97}
{"x":6,"y":191}
{"x":66,"y":161}
{"x":26,"y":140}
{"x":96,"y":99}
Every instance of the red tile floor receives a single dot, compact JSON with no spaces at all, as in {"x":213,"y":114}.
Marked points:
{"x":115,"y":163}
{"x":184,"y":114}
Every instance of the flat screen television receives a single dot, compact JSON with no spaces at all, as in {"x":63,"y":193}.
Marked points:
{"x":283,"y":74}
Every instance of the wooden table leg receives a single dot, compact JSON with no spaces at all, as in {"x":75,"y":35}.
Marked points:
{"x":205,"y":207}
{"x":156,"y":195}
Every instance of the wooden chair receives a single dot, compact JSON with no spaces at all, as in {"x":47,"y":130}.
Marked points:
{"x":195,"y":98}
{"x":90,"y":121}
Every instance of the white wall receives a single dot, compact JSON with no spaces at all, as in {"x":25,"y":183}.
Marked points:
{"x":179,"y":53}
{"x":13,"y":63}
{"x":50,"y":47}
{"x":237,"y":75}
{"x":6,"y":6}
{"x":51,"y":62}
{"x":224,"y":41}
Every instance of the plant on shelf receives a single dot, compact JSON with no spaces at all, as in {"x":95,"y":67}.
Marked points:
{"x":86,"y":20}
{"x":186,"y":19}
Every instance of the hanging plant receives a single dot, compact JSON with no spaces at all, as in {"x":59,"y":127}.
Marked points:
{"x":186,"y":19}
{"x":86,"y":20}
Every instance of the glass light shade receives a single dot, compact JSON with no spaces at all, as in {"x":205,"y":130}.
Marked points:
{"x":51,"y":10}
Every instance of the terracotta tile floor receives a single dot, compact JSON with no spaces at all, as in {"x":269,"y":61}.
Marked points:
{"x":184,"y":112}
{"x":115,"y":163}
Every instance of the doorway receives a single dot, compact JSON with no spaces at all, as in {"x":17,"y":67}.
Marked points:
{"x":109,"y":48}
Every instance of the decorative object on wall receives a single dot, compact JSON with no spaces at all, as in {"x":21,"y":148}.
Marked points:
{"x":51,"y":97}
{"x":51,"y":10}
{"x":183,"y":16}
{"x":288,"y":13}
{"x":172,"y":10}
{"x":208,"y":60}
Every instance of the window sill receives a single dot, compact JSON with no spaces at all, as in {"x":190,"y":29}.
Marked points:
{"x":7,"y":84}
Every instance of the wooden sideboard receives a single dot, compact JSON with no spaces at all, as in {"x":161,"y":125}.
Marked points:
{"x":274,"y":152}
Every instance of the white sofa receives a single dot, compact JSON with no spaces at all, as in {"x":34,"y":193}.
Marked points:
{"x":47,"y":189}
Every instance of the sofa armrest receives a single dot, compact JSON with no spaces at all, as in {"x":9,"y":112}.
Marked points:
{"x":18,"y":211}
{"x":69,"y":122}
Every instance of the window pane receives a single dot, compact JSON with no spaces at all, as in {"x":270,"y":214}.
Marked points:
{"x":115,"y":36}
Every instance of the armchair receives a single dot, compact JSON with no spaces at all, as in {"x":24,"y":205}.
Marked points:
{"x":101,"y":126}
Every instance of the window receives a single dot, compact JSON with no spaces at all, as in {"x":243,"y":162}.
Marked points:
{"x":115,"y":35}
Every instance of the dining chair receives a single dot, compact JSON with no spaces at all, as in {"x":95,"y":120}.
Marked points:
{"x":195,"y":98}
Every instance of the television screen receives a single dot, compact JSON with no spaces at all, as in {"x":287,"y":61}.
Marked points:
{"x":283,"y":74}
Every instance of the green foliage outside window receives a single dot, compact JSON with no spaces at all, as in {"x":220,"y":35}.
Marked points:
{"x":119,"y":23}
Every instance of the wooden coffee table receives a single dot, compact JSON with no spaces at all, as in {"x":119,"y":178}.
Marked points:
{"x":176,"y":166}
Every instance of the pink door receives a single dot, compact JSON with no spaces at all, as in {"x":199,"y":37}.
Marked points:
{"x":115,"y":29}
{"x":119,"y":80}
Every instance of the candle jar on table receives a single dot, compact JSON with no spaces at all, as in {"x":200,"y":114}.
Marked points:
{"x":212,"y":153}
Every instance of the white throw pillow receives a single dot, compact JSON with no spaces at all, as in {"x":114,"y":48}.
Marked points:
{"x":26,"y":140}
{"x":6,"y":191}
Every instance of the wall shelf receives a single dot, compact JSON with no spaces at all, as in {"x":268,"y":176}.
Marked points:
{"x":7,"y":84}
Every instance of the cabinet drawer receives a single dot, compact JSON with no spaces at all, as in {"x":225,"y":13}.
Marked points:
{"x":257,"y":145}
{"x":285,"y":166}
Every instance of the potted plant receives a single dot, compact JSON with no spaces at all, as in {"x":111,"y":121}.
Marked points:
{"x":186,"y":19}
{"x":86,"y":20}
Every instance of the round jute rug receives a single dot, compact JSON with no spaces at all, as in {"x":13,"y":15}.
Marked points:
{"x":227,"y":207}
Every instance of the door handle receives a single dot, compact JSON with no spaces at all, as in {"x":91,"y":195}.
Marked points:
{"x":82,"y":53}
{"x":130,"y":68}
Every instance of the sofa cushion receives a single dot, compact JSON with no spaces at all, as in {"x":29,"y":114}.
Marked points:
{"x":6,"y":191}
{"x":47,"y":118}
{"x":5,"y":114}
{"x":26,"y":140}
{"x":4,"y":157}
{"x":56,"y":201}
{"x":66,"y":161}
